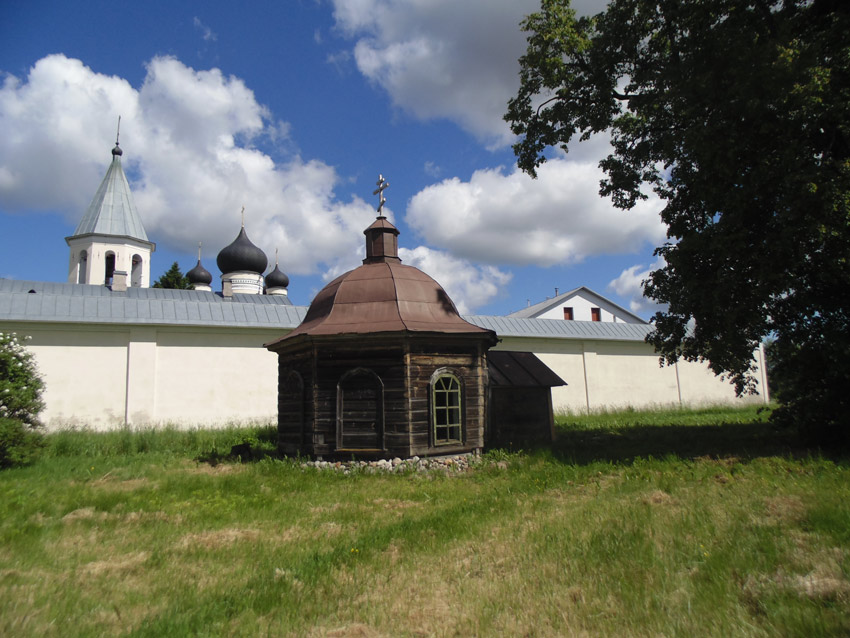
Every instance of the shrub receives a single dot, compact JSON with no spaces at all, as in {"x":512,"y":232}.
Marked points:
{"x":19,"y":444}
{"x":20,"y":403}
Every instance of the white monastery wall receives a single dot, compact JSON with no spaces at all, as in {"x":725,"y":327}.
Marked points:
{"x":103,"y":376}
{"x":84,"y":373}
{"x":620,"y":374}
{"x":222,"y":375}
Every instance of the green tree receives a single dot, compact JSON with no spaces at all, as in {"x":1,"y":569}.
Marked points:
{"x":737,"y":114}
{"x":20,"y":403}
{"x":173,"y":278}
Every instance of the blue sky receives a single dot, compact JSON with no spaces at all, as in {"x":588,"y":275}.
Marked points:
{"x":292,"y":109}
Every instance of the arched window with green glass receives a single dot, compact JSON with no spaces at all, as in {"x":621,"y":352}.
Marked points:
{"x":446,"y":409}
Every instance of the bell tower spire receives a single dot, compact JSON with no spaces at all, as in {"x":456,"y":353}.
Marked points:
{"x":110,"y":246}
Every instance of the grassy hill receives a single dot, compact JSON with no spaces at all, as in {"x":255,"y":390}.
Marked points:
{"x":682,"y":523}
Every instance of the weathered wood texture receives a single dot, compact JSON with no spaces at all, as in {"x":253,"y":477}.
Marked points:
{"x":519,"y":417}
{"x":371,"y":397}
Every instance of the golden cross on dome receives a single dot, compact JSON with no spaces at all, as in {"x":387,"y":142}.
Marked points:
{"x":382,"y":184}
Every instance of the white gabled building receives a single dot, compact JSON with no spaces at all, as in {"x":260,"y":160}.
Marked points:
{"x":579,"y":304}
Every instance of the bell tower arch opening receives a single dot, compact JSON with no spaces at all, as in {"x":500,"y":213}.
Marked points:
{"x":136,"y":271}
{"x":82,"y":267}
{"x":109,"y":264}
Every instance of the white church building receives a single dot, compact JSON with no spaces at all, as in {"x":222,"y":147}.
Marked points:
{"x":113,"y":351}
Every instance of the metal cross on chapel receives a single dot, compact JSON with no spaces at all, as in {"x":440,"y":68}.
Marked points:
{"x":382,"y":184}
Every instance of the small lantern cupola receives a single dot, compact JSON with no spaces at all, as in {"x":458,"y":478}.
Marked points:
{"x":381,"y":236}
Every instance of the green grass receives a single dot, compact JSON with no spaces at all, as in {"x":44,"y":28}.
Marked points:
{"x":698,"y":523}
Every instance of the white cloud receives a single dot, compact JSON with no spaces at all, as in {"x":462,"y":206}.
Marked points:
{"x":187,"y":137}
{"x":432,"y":169}
{"x":441,"y":59}
{"x":511,"y":218}
{"x":444,"y":58}
{"x":468,"y":285}
{"x":206,"y":33}
{"x":629,"y":284}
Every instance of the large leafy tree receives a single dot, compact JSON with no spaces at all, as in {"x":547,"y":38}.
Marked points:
{"x":173,"y":278}
{"x":737,"y":114}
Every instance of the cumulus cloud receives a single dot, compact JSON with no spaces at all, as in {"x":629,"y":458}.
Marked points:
{"x":559,"y":218}
{"x":444,"y":58}
{"x":629,"y":284}
{"x":189,"y":139}
{"x":469,"y":286}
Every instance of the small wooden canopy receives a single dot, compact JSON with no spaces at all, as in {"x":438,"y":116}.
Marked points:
{"x":520,"y":369}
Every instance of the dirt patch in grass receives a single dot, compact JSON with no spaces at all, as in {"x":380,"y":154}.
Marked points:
{"x":821,"y":587}
{"x":658,"y":497}
{"x":215,"y":470}
{"x":324,"y":509}
{"x":354,"y":630}
{"x":85,"y":514}
{"x":156,"y":516}
{"x":118,"y":485}
{"x":124,"y":563}
{"x":218,"y":538}
{"x":825,"y":583}
{"x":790,"y":509}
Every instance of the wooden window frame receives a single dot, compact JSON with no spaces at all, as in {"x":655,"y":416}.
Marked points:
{"x":568,"y":313}
{"x":445,"y":410}
{"x":596,"y":314}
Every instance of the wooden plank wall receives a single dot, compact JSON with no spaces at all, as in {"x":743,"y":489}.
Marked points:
{"x":469,"y":369}
{"x":385,"y":361}
{"x":519,"y":417}
{"x":405,"y":368}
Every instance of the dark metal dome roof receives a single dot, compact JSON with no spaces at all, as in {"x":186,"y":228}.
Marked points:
{"x":383,"y":297}
{"x":199,"y":275}
{"x":242,"y":255}
{"x":277,"y":278}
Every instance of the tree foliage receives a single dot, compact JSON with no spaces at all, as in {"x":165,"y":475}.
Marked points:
{"x":737,"y":114}
{"x":173,"y":278}
{"x":20,"y":402}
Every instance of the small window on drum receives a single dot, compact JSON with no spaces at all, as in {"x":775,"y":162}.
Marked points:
{"x":446,"y":409}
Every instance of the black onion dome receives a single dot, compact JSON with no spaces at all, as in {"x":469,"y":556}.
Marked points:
{"x":199,"y":275}
{"x":277,"y":279}
{"x":242,"y":255}
{"x":117,"y":150}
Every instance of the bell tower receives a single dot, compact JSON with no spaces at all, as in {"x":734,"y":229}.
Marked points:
{"x":110,"y":246}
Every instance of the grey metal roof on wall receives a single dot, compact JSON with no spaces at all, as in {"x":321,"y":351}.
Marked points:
{"x":560,"y":329}
{"x":79,"y":303}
